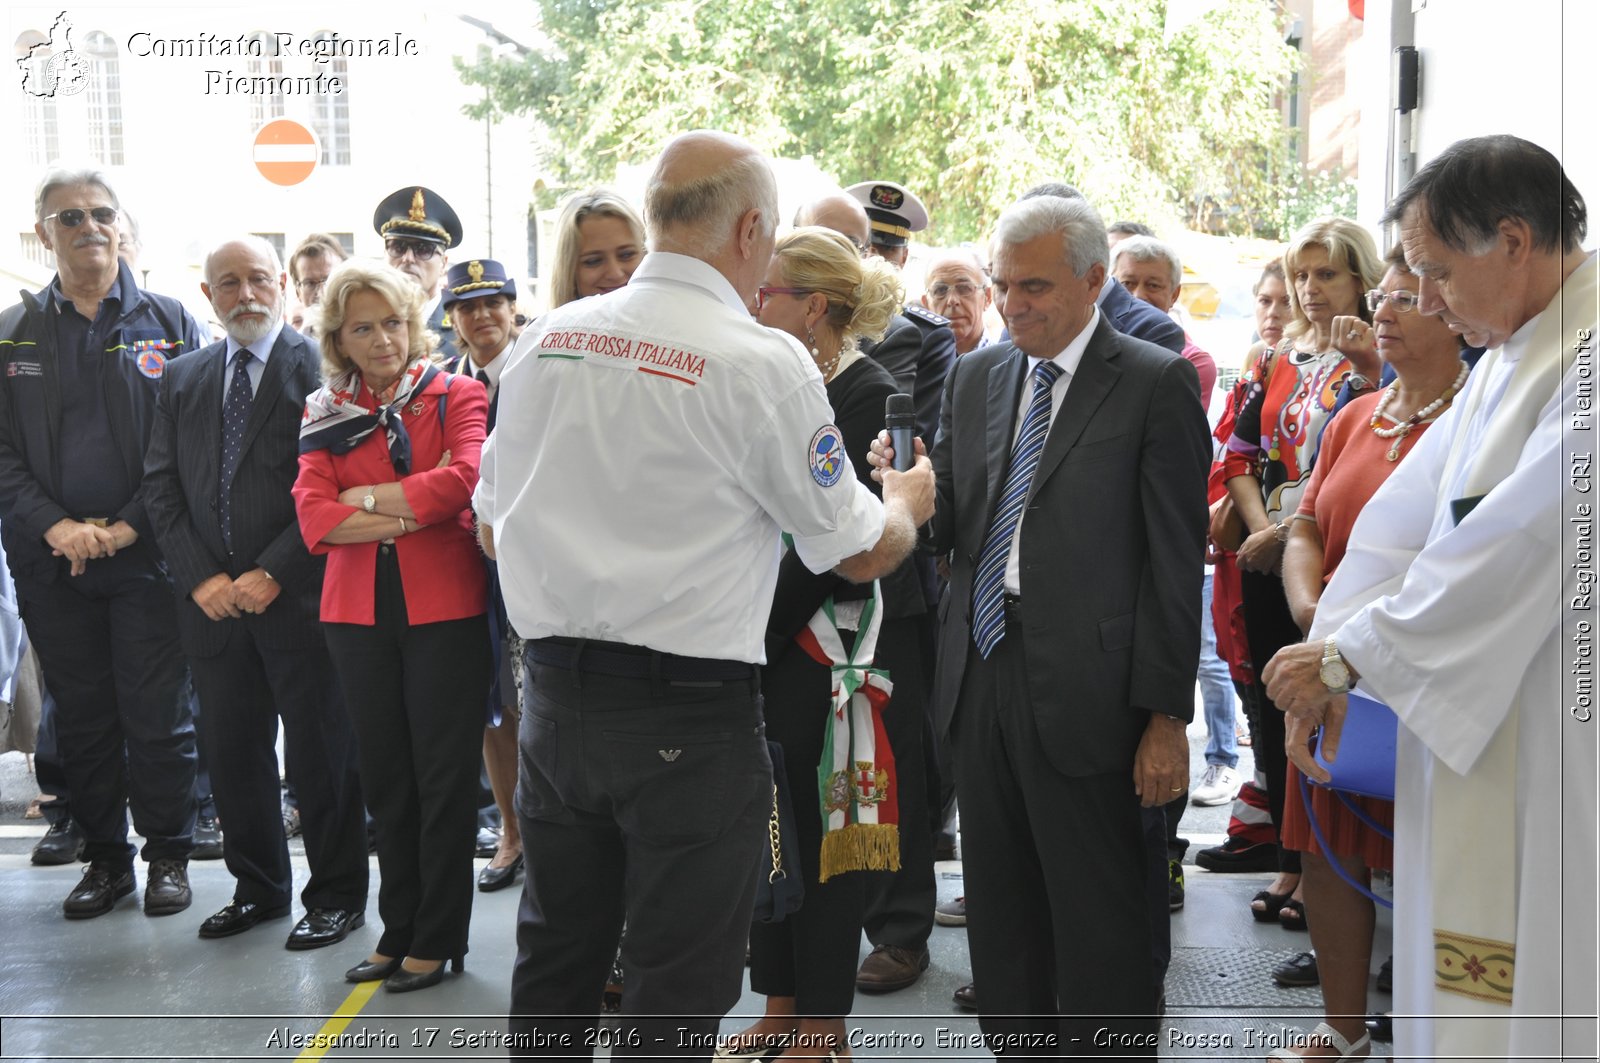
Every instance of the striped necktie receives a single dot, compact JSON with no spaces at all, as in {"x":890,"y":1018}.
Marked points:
{"x":989,"y":585}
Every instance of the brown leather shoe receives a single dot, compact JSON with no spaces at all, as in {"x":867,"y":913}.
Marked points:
{"x":166,"y":887}
{"x":890,"y":967}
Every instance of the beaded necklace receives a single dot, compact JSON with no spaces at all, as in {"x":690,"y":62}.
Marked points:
{"x":1399,"y":432}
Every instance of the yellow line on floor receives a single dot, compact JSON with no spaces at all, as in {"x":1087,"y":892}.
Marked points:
{"x":326,"y":1037}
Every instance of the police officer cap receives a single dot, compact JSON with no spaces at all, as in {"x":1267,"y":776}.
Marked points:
{"x":895,"y":212}
{"x":476,"y":279}
{"x":415,"y":213}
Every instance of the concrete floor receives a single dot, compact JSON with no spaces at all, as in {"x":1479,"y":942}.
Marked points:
{"x":128,"y":987}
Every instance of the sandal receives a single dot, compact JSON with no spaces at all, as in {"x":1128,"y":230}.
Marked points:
{"x":1241,"y":736}
{"x":1274,"y":902}
{"x":1292,"y":916}
{"x":1359,"y":1050}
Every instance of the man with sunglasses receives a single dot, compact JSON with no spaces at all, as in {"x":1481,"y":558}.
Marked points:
{"x":80,"y":365}
{"x":418,"y":227}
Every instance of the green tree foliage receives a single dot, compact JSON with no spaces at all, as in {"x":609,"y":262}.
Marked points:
{"x":968,"y":103}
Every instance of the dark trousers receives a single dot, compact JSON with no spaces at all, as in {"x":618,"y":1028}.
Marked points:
{"x":416,"y":695}
{"x":47,"y":767}
{"x":812,"y":954}
{"x":1055,"y":873}
{"x":1270,"y":627}
{"x":244,"y":689}
{"x":108,"y":646}
{"x":900,"y":903}
{"x":647,"y":798}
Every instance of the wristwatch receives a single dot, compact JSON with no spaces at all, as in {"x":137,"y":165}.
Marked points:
{"x":1335,"y":673}
{"x":370,"y":502}
{"x":1360,"y":382}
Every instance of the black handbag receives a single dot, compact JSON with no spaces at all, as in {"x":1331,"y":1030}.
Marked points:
{"x":779,"y":889}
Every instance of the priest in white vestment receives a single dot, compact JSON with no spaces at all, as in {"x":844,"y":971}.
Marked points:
{"x":1458,"y":604}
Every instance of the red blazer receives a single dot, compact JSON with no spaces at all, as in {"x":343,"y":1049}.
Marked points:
{"x":441,"y":568}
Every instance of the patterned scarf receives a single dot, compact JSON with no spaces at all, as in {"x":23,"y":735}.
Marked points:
{"x":857,"y":788}
{"x":337,"y":420}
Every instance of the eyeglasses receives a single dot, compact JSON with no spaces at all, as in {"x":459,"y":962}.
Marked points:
{"x":1404,"y":301}
{"x":763,"y":292}
{"x":73,"y":217}
{"x":311,"y":287}
{"x":961,"y":290}
{"x":420,"y":250}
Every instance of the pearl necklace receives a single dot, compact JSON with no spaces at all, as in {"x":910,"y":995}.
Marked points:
{"x":1399,"y":432}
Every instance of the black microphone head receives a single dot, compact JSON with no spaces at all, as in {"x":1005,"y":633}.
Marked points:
{"x":899,"y":411}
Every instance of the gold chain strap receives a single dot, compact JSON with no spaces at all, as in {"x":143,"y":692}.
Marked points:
{"x":776,"y":840}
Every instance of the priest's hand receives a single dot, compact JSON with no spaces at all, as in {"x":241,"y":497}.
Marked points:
{"x":1161,"y":766}
{"x":1294,"y":681}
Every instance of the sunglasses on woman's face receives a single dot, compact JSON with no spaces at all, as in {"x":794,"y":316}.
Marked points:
{"x":73,"y":217}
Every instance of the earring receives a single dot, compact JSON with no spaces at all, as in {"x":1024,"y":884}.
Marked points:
{"x":811,"y":342}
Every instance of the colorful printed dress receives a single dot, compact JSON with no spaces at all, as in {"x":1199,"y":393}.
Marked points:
{"x":1276,"y":434}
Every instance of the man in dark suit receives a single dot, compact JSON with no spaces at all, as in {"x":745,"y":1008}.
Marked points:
{"x":223,"y":455}
{"x":1071,"y":468}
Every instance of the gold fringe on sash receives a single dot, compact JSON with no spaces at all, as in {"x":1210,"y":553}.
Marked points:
{"x":860,"y":847}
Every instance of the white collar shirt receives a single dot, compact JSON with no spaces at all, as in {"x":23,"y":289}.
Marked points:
{"x":651,"y":445}
{"x":488,"y":373}
{"x":1068,"y":361}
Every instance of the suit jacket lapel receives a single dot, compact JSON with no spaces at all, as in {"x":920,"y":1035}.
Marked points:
{"x":1097,"y":374}
{"x":1005,"y":388}
{"x":207,"y":420}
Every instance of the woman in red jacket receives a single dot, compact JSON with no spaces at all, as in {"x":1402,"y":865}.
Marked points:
{"x":388,"y":460}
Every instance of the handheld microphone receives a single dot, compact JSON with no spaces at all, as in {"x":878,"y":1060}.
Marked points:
{"x":899,"y":417}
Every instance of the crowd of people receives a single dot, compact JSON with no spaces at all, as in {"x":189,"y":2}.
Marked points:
{"x":590,"y":574}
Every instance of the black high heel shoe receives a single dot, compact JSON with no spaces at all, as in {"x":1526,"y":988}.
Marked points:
{"x":404,"y":981}
{"x":367,"y":971}
{"x":491,"y":879}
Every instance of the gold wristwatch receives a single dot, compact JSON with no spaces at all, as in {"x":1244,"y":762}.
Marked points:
{"x":1335,"y":673}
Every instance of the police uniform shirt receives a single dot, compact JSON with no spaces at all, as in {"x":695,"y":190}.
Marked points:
{"x":95,"y":483}
{"x":655,"y":440}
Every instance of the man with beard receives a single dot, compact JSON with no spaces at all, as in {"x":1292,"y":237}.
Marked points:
{"x":418,"y":227}
{"x":82,"y":361}
{"x":224,"y":453}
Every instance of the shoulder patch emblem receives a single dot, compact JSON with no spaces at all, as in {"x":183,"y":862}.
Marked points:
{"x":827,"y":456}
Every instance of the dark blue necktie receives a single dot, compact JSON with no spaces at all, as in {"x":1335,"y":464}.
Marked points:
{"x":989,"y":584}
{"x":235,"y":415}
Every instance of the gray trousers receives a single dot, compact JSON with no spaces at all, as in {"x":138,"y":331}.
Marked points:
{"x":645,"y":799}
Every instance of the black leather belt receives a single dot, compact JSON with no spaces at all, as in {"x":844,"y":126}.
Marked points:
{"x":632,"y":662}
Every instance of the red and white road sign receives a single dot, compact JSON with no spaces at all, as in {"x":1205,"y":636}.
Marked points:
{"x":286,"y":152}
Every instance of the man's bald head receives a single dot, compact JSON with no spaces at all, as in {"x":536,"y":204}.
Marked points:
{"x":704,"y":182}
{"x":841,"y":213}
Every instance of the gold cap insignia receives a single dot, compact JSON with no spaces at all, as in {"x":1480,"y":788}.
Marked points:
{"x":419,"y":212}
{"x":475,"y":270}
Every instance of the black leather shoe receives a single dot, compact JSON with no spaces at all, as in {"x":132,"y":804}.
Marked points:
{"x":404,"y":981}
{"x":367,"y":971}
{"x":1298,"y":972}
{"x":98,"y":891}
{"x":62,"y":844}
{"x":1386,"y":976}
{"x":966,"y":996}
{"x":1232,"y":858}
{"x":1381,"y":1027}
{"x":207,"y":839}
{"x":166,"y":890}
{"x":491,"y":879}
{"x":488,"y":842}
{"x":238,"y":916}
{"x":890,"y":967}
{"x":323,"y":926}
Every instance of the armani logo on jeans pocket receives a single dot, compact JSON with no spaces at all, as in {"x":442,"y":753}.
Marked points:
{"x":670,"y":755}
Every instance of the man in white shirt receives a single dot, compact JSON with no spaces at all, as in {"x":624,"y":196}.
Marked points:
{"x":1460,"y":603}
{"x":655,"y":443}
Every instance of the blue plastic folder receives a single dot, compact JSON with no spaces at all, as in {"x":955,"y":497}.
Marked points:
{"x":1365,"y":761}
